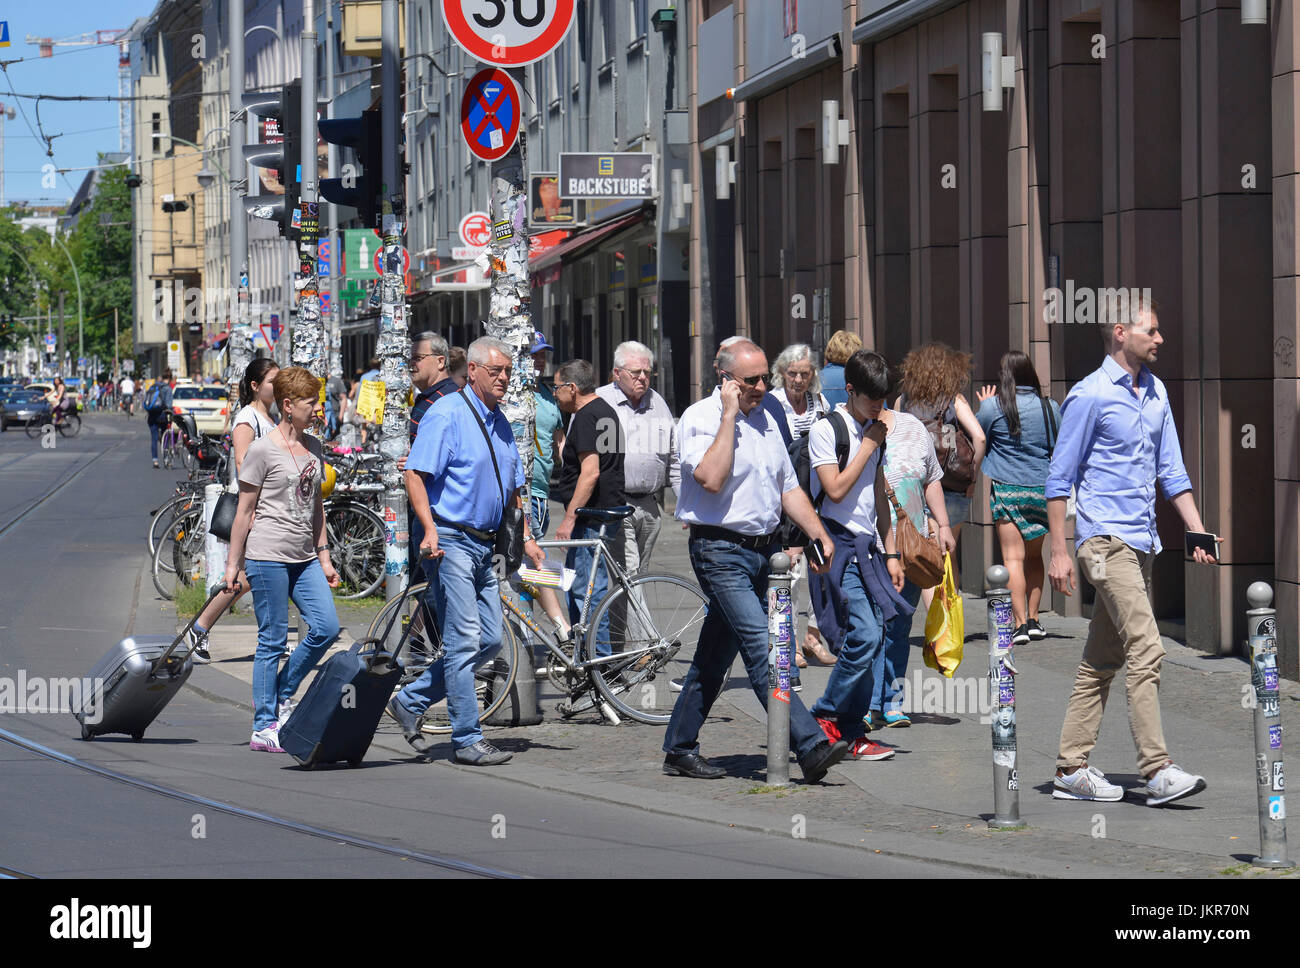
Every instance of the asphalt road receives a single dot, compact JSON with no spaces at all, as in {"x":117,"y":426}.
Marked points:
{"x":73,"y":581}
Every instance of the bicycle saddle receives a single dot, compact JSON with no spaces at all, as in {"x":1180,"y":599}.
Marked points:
{"x":606,"y":514}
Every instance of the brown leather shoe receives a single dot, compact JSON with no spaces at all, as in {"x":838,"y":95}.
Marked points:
{"x":819,"y":652}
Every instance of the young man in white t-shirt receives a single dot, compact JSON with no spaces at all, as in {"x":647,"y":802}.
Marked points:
{"x":849,"y":499}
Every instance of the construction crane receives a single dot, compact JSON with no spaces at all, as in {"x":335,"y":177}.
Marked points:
{"x":117,"y":37}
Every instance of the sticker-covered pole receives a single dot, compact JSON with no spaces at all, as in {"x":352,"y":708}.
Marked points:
{"x":392,"y":346}
{"x":1002,"y":685}
{"x":780,"y":633}
{"x":1261,"y":623}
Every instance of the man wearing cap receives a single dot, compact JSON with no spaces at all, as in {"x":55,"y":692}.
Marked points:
{"x":650,"y":462}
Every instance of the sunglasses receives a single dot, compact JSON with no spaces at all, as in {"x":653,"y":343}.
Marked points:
{"x":749,"y":381}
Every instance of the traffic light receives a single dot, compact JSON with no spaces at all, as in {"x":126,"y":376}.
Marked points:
{"x":361,"y":190}
{"x":284,"y":156}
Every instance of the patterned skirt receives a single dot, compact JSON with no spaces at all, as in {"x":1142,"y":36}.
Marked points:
{"x":1025,"y":507}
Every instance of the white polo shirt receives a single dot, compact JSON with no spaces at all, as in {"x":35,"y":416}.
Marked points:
{"x":750,"y":500}
{"x":857,"y":511}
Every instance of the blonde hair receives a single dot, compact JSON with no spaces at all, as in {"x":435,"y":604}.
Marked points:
{"x":841,"y":346}
{"x":294,"y":383}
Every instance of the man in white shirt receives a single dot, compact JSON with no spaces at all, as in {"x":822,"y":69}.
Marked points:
{"x":850,"y":486}
{"x":650,"y":460}
{"x":128,"y":394}
{"x":736,"y":479}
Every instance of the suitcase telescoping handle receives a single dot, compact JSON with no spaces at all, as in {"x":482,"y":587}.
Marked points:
{"x":376,"y":640}
{"x":221,"y":587}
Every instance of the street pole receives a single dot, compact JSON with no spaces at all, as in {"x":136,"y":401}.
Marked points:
{"x":115,"y":362}
{"x":1261,"y":625}
{"x":1002,"y":683}
{"x":780,"y":636}
{"x":239,"y":348}
{"x":334,"y":320}
{"x":308,"y":335}
{"x":393,"y":345}
{"x":511,"y":316}
{"x":58,"y":360}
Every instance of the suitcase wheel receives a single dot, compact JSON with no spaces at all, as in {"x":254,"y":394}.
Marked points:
{"x":308,"y":764}
{"x":354,"y":762}
{"x":136,"y":737}
{"x":86,"y":734}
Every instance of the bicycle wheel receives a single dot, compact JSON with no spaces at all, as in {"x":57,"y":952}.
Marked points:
{"x":424,"y":647}
{"x":655,"y":620}
{"x":356,"y":538}
{"x":166,"y":515}
{"x":71,"y":425}
{"x":180,"y":555}
{"x":34,"y":425}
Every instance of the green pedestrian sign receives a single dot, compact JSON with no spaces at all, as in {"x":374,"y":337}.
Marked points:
{"x":359,"y":248}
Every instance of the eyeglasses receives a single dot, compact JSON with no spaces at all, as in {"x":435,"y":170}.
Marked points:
{"x":558,"y":385}
{"x":636,"y":373}
{"x":417,"y":360}
{"x":495,"y":371}
{"x":749,"y":381}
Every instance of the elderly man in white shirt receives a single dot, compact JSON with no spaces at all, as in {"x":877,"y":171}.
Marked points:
{"x":650,"y":460}
{"x":736,"y":479}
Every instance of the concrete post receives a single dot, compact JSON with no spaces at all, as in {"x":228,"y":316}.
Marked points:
{"x":1261,"y":623}
{"x":780,"y":635}
{"x":1002,"y":687}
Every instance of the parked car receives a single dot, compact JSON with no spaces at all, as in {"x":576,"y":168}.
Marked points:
{"x":72,"y":394}
{"x":19,"y":404}
{"x":209,"y":406}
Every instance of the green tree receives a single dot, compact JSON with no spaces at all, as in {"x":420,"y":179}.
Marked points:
{"x":101,"y":245}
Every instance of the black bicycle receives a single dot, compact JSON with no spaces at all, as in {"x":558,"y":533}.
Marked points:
{"x":69,"y":426}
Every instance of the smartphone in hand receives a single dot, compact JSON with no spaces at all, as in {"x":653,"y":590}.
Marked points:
{"x":1203,"y":540}
{"x":815,"y":553}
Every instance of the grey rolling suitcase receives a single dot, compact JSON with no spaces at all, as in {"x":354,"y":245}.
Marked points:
{"x":138,"y":677}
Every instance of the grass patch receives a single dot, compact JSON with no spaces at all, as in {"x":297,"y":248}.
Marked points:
{"x":1236,"y":871}
{"x":189,"y":599}
{"x":780,"y":791}
{"x":370,"y":603}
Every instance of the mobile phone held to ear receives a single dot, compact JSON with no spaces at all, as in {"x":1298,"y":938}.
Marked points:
{"x":1203,"y":540}
{"x":815,"y":553}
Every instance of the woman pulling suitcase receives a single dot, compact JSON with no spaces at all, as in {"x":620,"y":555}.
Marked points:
{"x":279,"y":537}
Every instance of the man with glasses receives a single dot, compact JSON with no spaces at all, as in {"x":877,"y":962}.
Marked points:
{"x":431,"y":380}
{"x":651,"y":459}
{"x":736,"y":479}
{"x":591,"y":476}
{"x":463,"y":447}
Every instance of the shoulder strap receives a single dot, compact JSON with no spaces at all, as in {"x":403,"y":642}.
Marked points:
{"x":488,"y":440}
{"x":841,"y":428}
{"x":1049,"y":424}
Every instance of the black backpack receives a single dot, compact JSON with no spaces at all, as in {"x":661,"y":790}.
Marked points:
{"x":792,"y":535}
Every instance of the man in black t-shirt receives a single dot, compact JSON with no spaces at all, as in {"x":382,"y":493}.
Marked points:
{"x":591,"y":476}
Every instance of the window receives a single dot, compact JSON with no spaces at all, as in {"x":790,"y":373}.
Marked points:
{"x":640,"y":12}
{"x":157,"y":133}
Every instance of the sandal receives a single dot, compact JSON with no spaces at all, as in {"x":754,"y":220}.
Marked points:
{"x":819,"y":652}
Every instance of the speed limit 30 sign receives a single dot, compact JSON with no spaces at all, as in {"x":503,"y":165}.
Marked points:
{"x":508,"y":33}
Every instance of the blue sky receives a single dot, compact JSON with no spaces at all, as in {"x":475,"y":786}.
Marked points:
{"x":86,"y":128}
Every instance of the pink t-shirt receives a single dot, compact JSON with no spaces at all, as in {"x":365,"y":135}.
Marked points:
{"x":283,"y":522}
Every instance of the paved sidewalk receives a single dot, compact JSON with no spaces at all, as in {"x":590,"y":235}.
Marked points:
{"x":933,"y":798}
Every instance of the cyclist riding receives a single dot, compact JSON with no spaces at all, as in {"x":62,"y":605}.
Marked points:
{"x":128,"y":395}
{"x":58,"y":400}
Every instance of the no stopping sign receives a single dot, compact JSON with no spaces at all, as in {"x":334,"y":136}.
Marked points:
{"x":508,"y":33}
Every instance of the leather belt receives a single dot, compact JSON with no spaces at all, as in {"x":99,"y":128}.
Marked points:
{"x":751,"y":541}
{"x":487,"y":537}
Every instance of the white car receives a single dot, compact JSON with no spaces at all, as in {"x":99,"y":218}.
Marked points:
{"x":209,"y":406}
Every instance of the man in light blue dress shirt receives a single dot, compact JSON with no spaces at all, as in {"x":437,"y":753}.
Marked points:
{"x":1117,"y":440}
{"x":454,"y":491}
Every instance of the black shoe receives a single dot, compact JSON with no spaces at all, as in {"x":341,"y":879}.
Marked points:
{"x":821,"y":759}
{"x":1036,"y":631}
{"x":1021,"y":635}
{"x":481,"y":753}
{"x":408,"y":721}
{"x":692,"y":764}
{"x":795,"y":684}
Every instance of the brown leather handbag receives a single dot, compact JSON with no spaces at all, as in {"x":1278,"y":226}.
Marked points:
{"x":922,"y":558}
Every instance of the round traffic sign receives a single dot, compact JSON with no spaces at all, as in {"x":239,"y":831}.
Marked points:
{"x":504,"y":33}
{"x":379,"y":260}
{"x":489,"y":114}
{"x":476,"y":230}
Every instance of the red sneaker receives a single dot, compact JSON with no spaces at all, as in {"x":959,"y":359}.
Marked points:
{"x":866,"y":749}
{"x":830,"y":729}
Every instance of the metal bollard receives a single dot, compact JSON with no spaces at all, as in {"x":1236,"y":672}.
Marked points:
{"x":1261,"y":622}
{"x":1002,"y":687}
{"x":780,"y":633}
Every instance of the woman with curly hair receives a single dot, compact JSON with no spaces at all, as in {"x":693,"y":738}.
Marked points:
{"x":934,"y":377}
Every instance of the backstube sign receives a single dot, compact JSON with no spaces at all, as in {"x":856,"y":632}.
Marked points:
{"x":626,"y":174}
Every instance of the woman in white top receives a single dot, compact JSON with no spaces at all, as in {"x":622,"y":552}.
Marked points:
{"x":256,"y":398}
{"x":797,"y":385}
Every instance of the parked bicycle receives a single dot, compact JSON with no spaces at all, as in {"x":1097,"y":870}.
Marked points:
{"x":654,"y":624}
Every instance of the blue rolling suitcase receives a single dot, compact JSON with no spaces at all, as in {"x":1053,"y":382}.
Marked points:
{"x":338,"y":716}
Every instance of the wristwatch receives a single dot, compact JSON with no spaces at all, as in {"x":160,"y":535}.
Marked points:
{"x":321,"y":548}
{"x":893,"y":554}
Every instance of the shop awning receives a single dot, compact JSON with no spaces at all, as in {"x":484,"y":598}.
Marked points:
{"x":576,"y":245}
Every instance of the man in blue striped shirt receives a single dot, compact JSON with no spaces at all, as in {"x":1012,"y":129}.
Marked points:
{"x":1117,"y":440}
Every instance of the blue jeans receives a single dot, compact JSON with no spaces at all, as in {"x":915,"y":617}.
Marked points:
{"x":734,"y":579}
{"x":274,"y":583}
{"x":848,"y":692}
{"x":463,"y":594}
{"x":582,"y":561}
{"x":155,"y":432}
{"x":539,"y":511}
{"x":890,"y":668}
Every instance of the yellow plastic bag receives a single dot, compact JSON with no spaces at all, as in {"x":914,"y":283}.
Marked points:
{"x":945,"y":625}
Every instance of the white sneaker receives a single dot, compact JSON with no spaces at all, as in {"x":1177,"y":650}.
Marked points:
{"x":1086,"y":783}
{"x":1172,"y":783}
{"x":284,"y":712}
{"x":267,"y":740}
{"x":675,"y":685}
